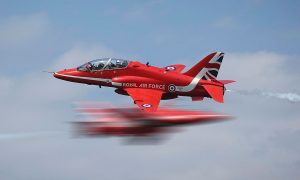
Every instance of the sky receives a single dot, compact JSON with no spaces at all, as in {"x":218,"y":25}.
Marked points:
{"x":261,"y":42}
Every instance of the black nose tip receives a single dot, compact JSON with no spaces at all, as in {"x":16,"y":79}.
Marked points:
{"x":55,"y":75}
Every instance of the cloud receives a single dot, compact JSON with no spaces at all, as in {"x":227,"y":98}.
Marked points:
{"x":260,"y":70}
{"x":245,"y":147}
{"x":141,"y":9}
{"x":82,"y":54}
{"x":18,"y":31}
{"x":20,"y":136}
{"x":5,"y":85}
{"x":254,"y":145}
{"x":44,"y":87}
{"x":33,"y":94}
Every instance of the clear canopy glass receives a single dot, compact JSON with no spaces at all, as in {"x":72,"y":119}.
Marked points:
{"x":104,"y":64}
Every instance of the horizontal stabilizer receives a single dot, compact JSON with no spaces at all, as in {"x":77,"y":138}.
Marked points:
{"x":216,"y":92}
{"x":226,"y":81}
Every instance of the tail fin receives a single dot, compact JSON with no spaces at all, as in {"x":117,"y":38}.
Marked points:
{"x":208,"y":67}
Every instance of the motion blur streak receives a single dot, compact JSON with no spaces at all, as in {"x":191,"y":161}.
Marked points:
{"x":289,"y":96}
{"x":132,"y":122}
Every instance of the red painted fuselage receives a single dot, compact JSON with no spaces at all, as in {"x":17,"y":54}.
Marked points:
{"x":146,"y":84}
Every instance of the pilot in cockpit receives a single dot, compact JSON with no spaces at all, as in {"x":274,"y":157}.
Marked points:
{"x":118,"y":64}
{"x":103,"y":64}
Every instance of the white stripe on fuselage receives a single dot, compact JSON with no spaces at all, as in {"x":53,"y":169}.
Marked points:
{"x":193,"y":83}
{"x":86,"y":78}
{"x":116,"y":83}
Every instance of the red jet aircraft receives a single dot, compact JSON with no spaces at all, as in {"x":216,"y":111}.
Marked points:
{"x":147,"y":85}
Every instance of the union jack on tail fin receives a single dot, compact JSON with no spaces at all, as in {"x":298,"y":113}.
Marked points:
{"x":213,"y":66}
{"x":207,"y":68}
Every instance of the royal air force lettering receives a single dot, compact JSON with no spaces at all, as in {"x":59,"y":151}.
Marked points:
{"x":129,"y":85}
{"x":144,"y":85}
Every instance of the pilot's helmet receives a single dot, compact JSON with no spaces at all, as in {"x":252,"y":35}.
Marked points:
{"x":118,"y":62}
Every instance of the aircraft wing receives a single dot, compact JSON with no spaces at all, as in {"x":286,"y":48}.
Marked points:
{"x":147,"y":99}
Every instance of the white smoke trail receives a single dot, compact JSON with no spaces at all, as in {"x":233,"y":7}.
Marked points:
{"x":291,"y":97}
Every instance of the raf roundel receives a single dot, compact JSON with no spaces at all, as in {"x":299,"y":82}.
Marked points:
{"x":147,"y":105}
{"x":170,"y":68}
{"x":172,"y":88}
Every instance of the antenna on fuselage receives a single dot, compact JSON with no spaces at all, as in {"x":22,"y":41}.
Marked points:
{"x":147,"y":64}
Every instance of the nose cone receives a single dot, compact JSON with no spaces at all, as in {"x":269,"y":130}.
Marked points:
{"x":65,"y":74}
{"x":55,"y":75}
{"x":59,"y":74}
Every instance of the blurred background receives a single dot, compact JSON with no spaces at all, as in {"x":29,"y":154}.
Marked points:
{"x":261,"y":41}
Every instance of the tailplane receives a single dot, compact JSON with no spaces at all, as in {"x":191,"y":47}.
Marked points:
{"x":215,"y":92}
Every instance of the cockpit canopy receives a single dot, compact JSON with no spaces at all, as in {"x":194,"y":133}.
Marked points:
{"x":104,"y":64}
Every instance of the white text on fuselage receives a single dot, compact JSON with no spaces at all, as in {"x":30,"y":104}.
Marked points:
{"x":144,"y":85}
